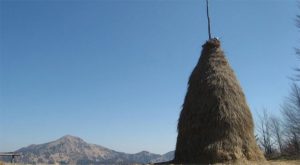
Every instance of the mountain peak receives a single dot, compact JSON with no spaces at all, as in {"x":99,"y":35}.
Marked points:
{"x":70,"y":138}
{"x":143,"y":152}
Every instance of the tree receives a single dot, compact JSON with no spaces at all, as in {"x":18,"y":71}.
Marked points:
{"x":291,"y":110}
{"x":277,"y":132}
{"x":265,"y":130}
{"x":291,"y":114}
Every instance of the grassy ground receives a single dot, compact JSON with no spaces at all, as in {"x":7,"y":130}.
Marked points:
{"x":272,"y":162}
{"x":285,"y":162}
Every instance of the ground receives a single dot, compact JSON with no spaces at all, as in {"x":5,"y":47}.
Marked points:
{"x":273,"y":162}
{"x":285,"y":162}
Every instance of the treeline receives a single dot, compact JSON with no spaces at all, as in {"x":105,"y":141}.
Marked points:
{"x":280,"y":137}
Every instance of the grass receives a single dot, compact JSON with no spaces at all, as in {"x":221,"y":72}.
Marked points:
{"x":270,"y":162}
{"x":284,"y":162}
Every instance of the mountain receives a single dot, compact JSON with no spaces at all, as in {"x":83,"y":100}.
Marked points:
{"x":165,"y":157}
{"x":73,"y":150}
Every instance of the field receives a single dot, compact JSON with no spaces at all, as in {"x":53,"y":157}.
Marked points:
{"x":273,"y":162}
{"x":285,"y":162}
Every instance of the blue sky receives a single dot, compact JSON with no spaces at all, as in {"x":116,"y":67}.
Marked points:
{"x":115,"y":72}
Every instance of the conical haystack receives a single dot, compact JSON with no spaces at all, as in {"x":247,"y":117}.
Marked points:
{"x":215,"y":124}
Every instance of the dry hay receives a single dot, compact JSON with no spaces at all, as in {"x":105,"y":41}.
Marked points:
{"x":215,"y":124}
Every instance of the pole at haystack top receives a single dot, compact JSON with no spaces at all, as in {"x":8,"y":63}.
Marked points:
{"x":208,"y":19}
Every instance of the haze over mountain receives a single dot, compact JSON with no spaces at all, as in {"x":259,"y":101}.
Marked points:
{"x":73,"y":150}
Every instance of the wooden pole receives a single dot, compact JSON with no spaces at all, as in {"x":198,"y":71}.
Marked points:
{"x":208,"y":19}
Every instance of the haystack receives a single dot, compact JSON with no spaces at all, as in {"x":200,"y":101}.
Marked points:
{"x":215,"y":124}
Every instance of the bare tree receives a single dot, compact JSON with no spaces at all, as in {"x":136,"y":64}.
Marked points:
{"x":291,"y":146}
{"x":291,"y":110}
{"x":291,"y":114}
{"x":295,"y":142}
{"x":277,"y":132}
{"x":265,"y":131}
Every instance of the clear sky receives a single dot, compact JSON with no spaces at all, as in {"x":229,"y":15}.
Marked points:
{"x":114,"y":72}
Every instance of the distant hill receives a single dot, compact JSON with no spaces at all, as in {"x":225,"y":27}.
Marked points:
{"x":73,"y":150}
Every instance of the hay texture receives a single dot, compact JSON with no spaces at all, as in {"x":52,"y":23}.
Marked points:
{"x":215,"y":124}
